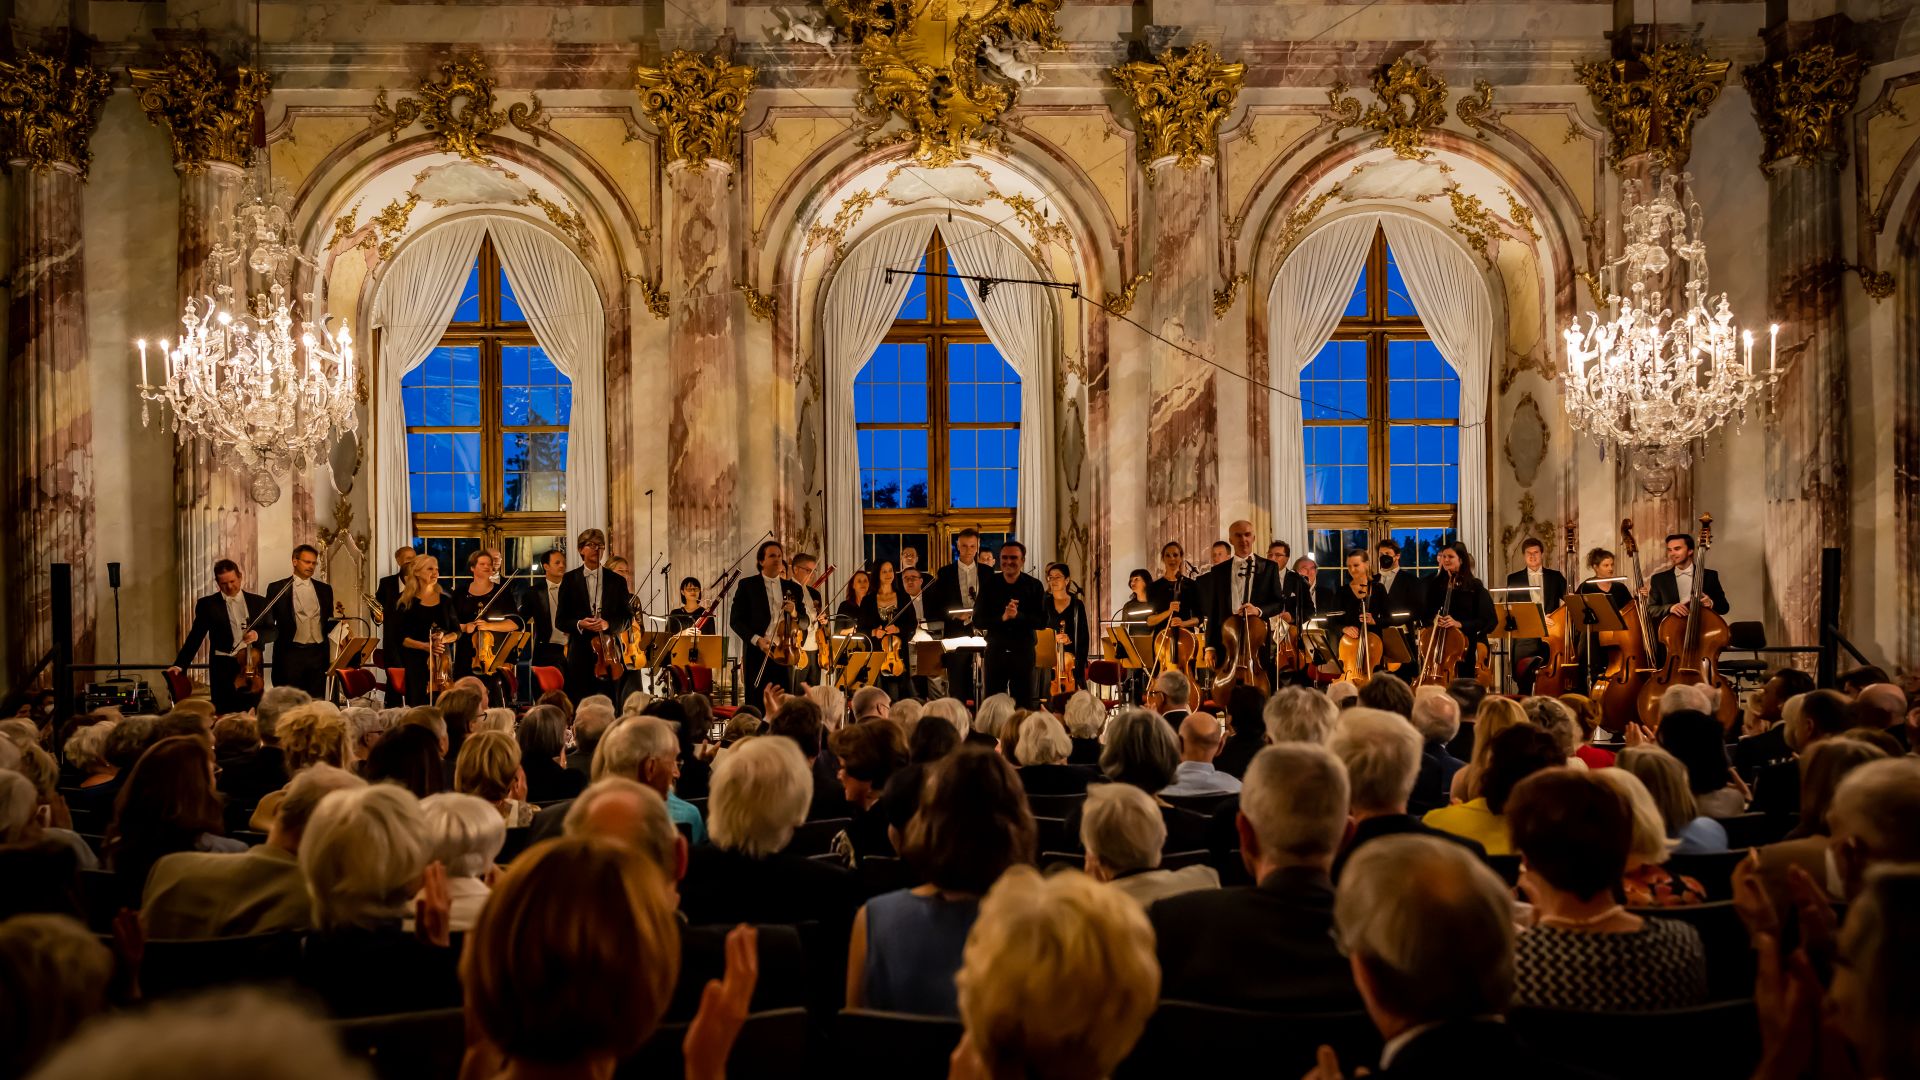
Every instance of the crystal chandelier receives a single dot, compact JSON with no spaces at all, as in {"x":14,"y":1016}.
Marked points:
{"x":267,"y":397}
{"x":1644,"y":381}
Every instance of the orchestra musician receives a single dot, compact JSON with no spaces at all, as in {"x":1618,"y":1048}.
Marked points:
{"x":1242,"y":584}
{"x":1548,"y":590}
{"x":854,"y":599}
{"x":539,"y":604}
{"x":386,"y":593}
{"x":1012,"y":605}
{"x":1173,"y":595}
{"x":955,"y":588}
{"x":801,"y":570}
{"x":424,"y":608}
{"x":682,"y":619}
{"x":1362,"y":603}
{"x":885,"y":616}
{"x":1668,"y":591}
{"x":1601,"y":562}
{"x":1294,"y":594}
{"x":1068,"y":617}
{"x":757,"y":608}
{"x":1320,"y":594}
{"x":1471,"y":608}
{"x":1220,"y":552}
{"x":303,"y":617}
{"x":593,"y":600}
{"x":914,"y":582}
{"x":482,"y":593}
{"x":1401,"y":586}
{"x":220,"y":620}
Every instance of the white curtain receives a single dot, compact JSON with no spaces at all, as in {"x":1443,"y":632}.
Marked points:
{"x":563,"y":309}
{"x":1451,"y":296}
{"x":861,"y":305}
{"x":1019,"y":321}
{"x":417,"y":297}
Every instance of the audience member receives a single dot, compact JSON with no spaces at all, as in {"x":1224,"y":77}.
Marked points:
{"x":634,"y":814}
{"x":1057,"y":979}
{"x":489,"y":767}
{"x":1246,"y":730}
{"x":870,"y":751}
{"x":1874,"y":991}
{"x":86,"y":753}
{"x":1200,"y":742}
{"x":1382,"y":754}
{"x":430,"y":718}
{"x":1389,"y":693}
{"x":543,"y":754}
{"x":590,"y":723}
{"x":1171,"y":696}
{"x":954,"y":712}
{"x":1648,"y":882}
{"x":193,"y":894}
{"x":1343,"y":693}
{"x":503,"y":720}
{"x":1436,"y":716}
{"x":1874,"y":819}
{"x":1514,"y":754}
{"x":1665,"y":779}
{"x":1268,"y":946}
{"x":906,"y":713}
{"x":798,"y":718}
{"x":245,"y":782}
{"x":973,"y":823}
{"x":1495,"y":715}
{"x":1140,"y":750}
{"x":54,"y":977}
{"x":1557,"y":720}
{"x":1042,"y":753}
{"x":1298,"y":714}
{"x":994,"y":720}
{"x":1821,"y":769}
{"x":313,"y":734}
{"x":409,"y":755}
{"x":1808,"y":719}
{"x":1123,"y":834}
{"x":365,"y":725}
{"x":47,"y":812}
{"x":221,"y":1036}
{"x":1763,"y":731}
{"x":1585,"y":951}
{"x":168,"y":805}
{"x":870,"y":703}
{"x":1697,"y":739}
{"x":645,"y":748}
{"x":464,"y":834}
{"x":1586,"y":714}
{"x":1085,"y":716}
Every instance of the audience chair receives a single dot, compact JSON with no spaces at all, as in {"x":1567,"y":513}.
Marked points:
{"x":1720,"y":1041}
{"x":179,"y":686}
{"x":1284,"y":1044}
{"x":1507,"y":866}
{"x":771,"y":1046}
{"x":1714,"y":871}
{"x":517,"y":841}
{"x":1202,"y":804}
{"x":816,"y":837}
{"x":1231,"y":868}
{"x":356,"y":681}
{"x":1104,"y":678}
{"x":549,"y":679}
{"x":1051,"y":835}
{"x":99,"y":895}
{"x":1757,"y":830}
{"x":408,"y":1046}
{"x":868,"y":1042}
{"x":1054,"y":806}
{"x":180,"y":967}
{"x":783,"y":967}
{"x":1729,"y":947}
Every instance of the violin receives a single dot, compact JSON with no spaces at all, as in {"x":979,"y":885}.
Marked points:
{"x":1063,"y":682}
{"x":374,"y":610}
{"x":789,"y":637}
{"x":1358,"y":653}
{"x":1693,"y":643}
{"x":483,"y":639}
{"x":251,"y":678}
{"x":1441,"y":647}
{"x":891,"y":665}
{"x":1288,"y":655}
{"x":1560,"y":669}
{"x":802,"y":661}
{"x":609,"y":664}
{"x":439,"y":662}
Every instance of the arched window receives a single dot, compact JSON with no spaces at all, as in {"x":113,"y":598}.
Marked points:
{"x":1381,"y":419}
{"x":937,"y":412}
{"x":487,"y":417}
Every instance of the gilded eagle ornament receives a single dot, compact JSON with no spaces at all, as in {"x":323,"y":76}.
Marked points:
{"x":924,"y":63}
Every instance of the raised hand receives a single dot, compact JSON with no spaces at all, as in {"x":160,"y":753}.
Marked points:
{"x":723,"y":1008}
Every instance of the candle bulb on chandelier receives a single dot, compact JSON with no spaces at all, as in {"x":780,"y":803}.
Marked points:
{"x":143,"y":361}
{"x":1773,"y":344}
{"x":1747,"y":337}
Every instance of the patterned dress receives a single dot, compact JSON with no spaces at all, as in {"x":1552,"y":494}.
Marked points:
{"x":1651,"y":885}
{"x":1662,"y":965}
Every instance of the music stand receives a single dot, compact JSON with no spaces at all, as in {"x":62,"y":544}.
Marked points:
{"x":1323,"y":651}
{"x":1596,"y":613}
{"x":711,"y":647}
{"x":503,"y":652}
{"x":1516,"y":619}
{"x":1393,"y":645}
{"x":354,"y":652}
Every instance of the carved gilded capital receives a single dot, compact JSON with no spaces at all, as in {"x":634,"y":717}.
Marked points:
{"x":697,"y":102}
{"x":1411,"y":99}
{"x":48,"y":108}
{"x":1179,"y":99}
{"x":208,"y":111}
{"x":1649,"y":104}
{"x":458,"y":106}
{"x":1800,"y":101}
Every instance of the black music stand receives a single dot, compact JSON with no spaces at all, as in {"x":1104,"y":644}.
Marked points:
{"x":1516,"y":619}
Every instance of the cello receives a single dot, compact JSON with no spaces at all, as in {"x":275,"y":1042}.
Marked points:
{"x":1561,"y":666}
{"x":1693,"y":644}
{"x":1176,"y":647}
{"x":1441,"y":647}
{"x":1357,"y":653}
{"x":1619,"y":684}
{"x":1243,"y":641}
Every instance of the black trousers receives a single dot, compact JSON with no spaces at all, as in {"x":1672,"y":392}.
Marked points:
{"x":959,"y":664}
{"x":757,"y":673}
{"x":304,"y":666}
{"x":1009,"y":671}
{"x":581,"y":682}
{"x":227,"y":698}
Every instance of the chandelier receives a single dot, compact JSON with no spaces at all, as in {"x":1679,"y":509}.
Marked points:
{"x":1643,"y":380}
{"x":266,"y":385}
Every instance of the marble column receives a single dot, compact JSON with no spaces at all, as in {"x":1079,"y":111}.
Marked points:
{"x":704,"y":434}
{"x":1183,"y":453}
{"x":50,"y":418}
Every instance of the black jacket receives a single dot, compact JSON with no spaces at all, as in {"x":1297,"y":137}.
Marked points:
{"x":283,"y":620}
{"x":1394,"y":825}
{"x":1216,"y":588}
{"x":577,"y":604}
{"x":1663,"y":593}
{"x":750,"y":615}
{"x":1481,"y":1048}
{"x":943,"y":596}
{"x":1403,"y":596}
{"x":1015,"y":635}
{"x":1471,"y":607}
{"x":533,"y":609}
{"x":387,"y":595}
{"x":1266,"y":947}
{"x":1553,"y":587}
{"x":211,"y":625}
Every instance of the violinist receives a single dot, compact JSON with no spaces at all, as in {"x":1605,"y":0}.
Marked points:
{"x":1172,"y":594}
{"x":801,"y":570}
{"x":1295,"y":596}
{"x":303,"y":617}
{"x":758,"y":607}
{"x":1402,"y":586}
{"x":593,"y":601}
{"x":1471,"y":608}
{"x":681,"y":620}
{"x":914,"y":582}
{"x":854,"y":601}
{"x":886,"y":617}
{"x":1547,"y":589}
{"x":482,"y":594}
{"x":424,"y":609}
{"x":1321,"y":595}
{"x":539,"y":604}
{"x":1068,"y":617}
{"x":1361,"y":602}
{"x":220,"y":619}
{"x":387,"y":595}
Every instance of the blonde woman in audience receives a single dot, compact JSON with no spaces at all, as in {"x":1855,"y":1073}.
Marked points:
{"x":489,"y":767}
{"x":635,"y":703}
{"x":465,"y":835}
{"x":1123,"y":833}
{"x":1586,"y":713}
{"x":1512,"y":756}
{"x":1647,"y":882}
{"x":1665,"y":779}
{"x":501,"y":720}
{"x":87,"y":752}
{"x":1495,"y":715}
{"x":313,"y":734}
{"x":1058,"y":979}
{"x":833,"y":706}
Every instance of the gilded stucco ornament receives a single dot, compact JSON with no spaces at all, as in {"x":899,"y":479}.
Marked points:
{"x":208,"y":111}
{"x":1223,"y":298}
{"x":1179,"y":99}
{"x":697,"y":102}
{"x":760,"y":305}
{"x":1649,"y":104}
{"x":1411,"y":99}
{"x":48,"y":108}
{"x":1800,"y":102}
{"x":1122,"y":302}
{"x":925,"y":63}
{"x":1476,"y":109}
{"x":658,"y":302}
{"x":458,"y":107}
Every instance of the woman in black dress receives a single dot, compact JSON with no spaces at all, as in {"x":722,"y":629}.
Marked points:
{"x":858,"y":586}
{"x":886,"y":617}
{"x":1170,"y":588}
{"x":1471,"y":608}
{"x":690,"y":610}
{"x":1360,"y":603}
{"x":1068,"y":617}
{"x":423,"y":610}
{"x":1603,"y":564}
{"x":483,"y":595}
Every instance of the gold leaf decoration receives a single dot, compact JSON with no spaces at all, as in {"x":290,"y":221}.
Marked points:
{"x":697,"y":102}
{"x":1527,"y":526}
{"x":760,"y":305}
{"x":565,"y":218}
{"x":391,"y":223}
{"x":658,"y":303}
{"x":844,"y":218}
{"x":1223,"y":298}
{"x":48,"y":109}
{"x":1800,"y":101}
{"x":1519,"y":213}
{"x":1473,"y":221}
{"x":1179,"y":99}
{"x":1122,"y":302}
{"x":1476,"y":109}
{"x":1342,"y":111}
{"x":1302,"y":216}
{"x":922,"y":64}
{"x":1649,"y":104}
{"x":344,"y":225}
{"x":1412,"y":99}
{"x":1038,"y":222}
{"x":208,"y":111}
{"x":459,"y":107}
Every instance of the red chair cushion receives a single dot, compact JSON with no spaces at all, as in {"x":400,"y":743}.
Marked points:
{"x":550,"y":679}
{"x":1105,"y":672}
{"x":179,"y":686}
{"x":397,"y":681}
{"x":356,"y":681}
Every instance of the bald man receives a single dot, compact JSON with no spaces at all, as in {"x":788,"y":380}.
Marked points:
{"x":1243,"y":584}
{"x":1201,"y":738}
{"x":632,"y":813}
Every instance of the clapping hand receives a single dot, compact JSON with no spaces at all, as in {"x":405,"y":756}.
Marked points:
{"x":723,"y":1008}
{"x":1012,"y":612}
{"x":433,"y":912}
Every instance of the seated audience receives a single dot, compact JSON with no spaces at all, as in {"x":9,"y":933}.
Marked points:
{"x":1514,"y":754}
{"x":1058,"y":980}
{"x":1585,"y":951}
{"x":590,"y":724}
{"x":1874,"y":989}
{"x":1763,"y":731}
{"x":1342,"y":693}
{"x":234,"y":1033}
{"x":489,"y":767}
{"x":408,"y":755}
{"x":972,"y":824}
{"x":365,"y":724}
{"x":464,"y":834}
{"x":799,"y":719}
{"x":870,"y":703}
{"x":1382,"y":753}
{"x":1123,"y":834}
{"x":1298,"y":714}
{"x":1200,"y":742}
{"x":953,"y":711}
{"x":629,"y":811}
{"x":1268,"y":946}
{"x":1821,"y":769}
{"x":1697,"y":739}
{"x":86,"y":753}
{"x":905,"y":713}
{"x":193,"y":894}
{"x":47,"y":813}
{"x":1042,"y":753}
{"x":1807,"y":720}
{"x":432,"y":719}
{"x":168,"y":805}
{"x":1388,"y":693}
{"x":505,"y":721}
{"x":1085,"y":716}
{"x":641,"y":748}
{"x":1246,"y":730}
{"x":1648,"y":883}
{"x":926,"y":747}
{"x":1436,"y":716}
{"x":1665,"y":778}
{"x":543,"y":754}
{"x":245,"y":782}
{"x":1140,"y":750}
{"x":1587,"y":713}
{"x":1557,"y":720}
{"x":365,"y":857}
{"x":994,"y":720}
{"x":1171,"y":695}
{"x":1495,"y":715}
{"x":313,"y":734}
{"x":54,"y":977}
{"x":870,"y":751}
{"x":1874,"y":819}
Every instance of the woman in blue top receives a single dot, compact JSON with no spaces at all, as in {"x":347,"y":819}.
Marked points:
{"x":972,"y":824}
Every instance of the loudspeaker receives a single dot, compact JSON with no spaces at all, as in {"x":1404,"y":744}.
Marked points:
{"x":113,"y":575}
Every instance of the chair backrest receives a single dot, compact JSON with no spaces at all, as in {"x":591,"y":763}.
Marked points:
{"x":397,"y":683}
{"x":1730,"y":965}
{"x":1051,"y":835}
{"x":1284,"y":1044}
{"x":1054,"y":806}
{"x":408,"y":1046}
{"x":179,"y":686}
{"x":816,"y":837}
{"x":549,"y":679}
{"x":1507,"y":866}
{"x":1720,"y":1041}
{"x":516,"y":842}
{"x":181,"y":967}
{"x":1749,"y":636}
{"x":1105,"y":672}
{"x":100,"y":894}
{"x":356,"y":681}
{"x":1757,"y":829}
{"x":1200,"y":804}
{"x":868,"y":1042}
{"x":770,"y":1045}
{"x":1713,"y":871}
{"x":784,"y":967}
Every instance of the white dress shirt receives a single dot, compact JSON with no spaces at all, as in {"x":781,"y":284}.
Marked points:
{"x":306,"y":612}
{"x":1683,"y":582}
{"x":557,"y":636}
{"x":969,"y":583}
{"x":1386,"y":579}
{"x":1242,"y":580}
{"x":1537,"y":581}
{"x":775,"y":600}
{"x":593,"y":588}
{"x":807,"y":609}
{"x":237,"y":615}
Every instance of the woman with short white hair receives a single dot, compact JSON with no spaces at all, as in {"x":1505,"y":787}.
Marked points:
{"x":1042,"y":752}
{"x":364,"y":727}
{"x":992,"y":718}
{"x":907,"y":714}
{"x":1123,"y":832}
{"x":465,"y":835}
{"x":758,"y":796}
{"x":953,"y":711}
{"x":501,"y":720}
{"x":312,"y":734}
{"x":1084,"y":716}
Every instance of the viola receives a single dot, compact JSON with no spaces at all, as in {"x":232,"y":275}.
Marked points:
{"x":1441,"y":647}
{"x":1619,"y":685}
{"x":439,"y":662}
{"x":801,"y":660}
{"x":1559,"y":671}
{"x":891,"y":665}
{"x":251,"y":679}
{"x":1693,"y":644}
{"x":1288,"y":655}
{"x":1063,"y":682}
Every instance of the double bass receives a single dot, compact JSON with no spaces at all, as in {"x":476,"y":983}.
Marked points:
{"x":1618,"y":686}
{"x":1560,"y":670}
{"x":1693,"y":645}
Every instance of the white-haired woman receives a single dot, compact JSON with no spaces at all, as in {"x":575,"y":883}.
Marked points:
{"x":953,"y":711}
{"x":501,"y":720}
{"x":465,"y":835}
{"x":1123,"y":832}
{"x":87,"y":752}
{"x":1042,"y":752}
{"x":994,"y":720}
{"x":1084,"y":716}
